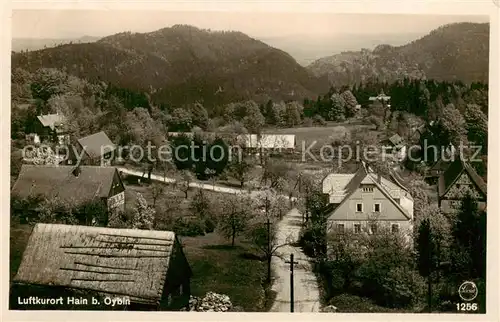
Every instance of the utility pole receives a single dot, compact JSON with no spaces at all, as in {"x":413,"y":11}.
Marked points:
{"x":291,"y":280}
{"x":269,"y":255}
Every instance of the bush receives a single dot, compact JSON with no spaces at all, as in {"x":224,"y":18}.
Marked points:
{"x":312,"y":241}
{"x":319,"y":120}
{"x":210,"y":225}
{"x":189,"y":227}
{"x":308,"y":122}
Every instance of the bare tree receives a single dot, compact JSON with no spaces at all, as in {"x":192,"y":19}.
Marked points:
{"x":240,"y":170}
{"x":157,"y":190}
{"x":262,"y":235}
{"x":234,"y":215}
{"x":184,"y":182}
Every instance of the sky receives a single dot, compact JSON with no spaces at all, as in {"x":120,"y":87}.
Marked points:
{"x":77,"y":23}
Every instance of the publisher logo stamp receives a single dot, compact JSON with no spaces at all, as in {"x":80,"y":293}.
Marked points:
{"x":467,"y":291}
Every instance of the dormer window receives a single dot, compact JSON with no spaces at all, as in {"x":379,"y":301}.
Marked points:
{"x":367,"y":188}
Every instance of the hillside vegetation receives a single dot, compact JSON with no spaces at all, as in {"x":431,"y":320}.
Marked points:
{"x":457,"y":51}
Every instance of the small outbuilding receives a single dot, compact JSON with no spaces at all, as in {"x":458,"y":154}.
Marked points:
{"x":97,"y":268}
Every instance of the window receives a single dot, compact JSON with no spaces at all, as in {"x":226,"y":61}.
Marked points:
{"x":367,"y":189}
{"x":359,"y":207}
{"x":340,"y":228}
{"x":373,"y":228}
{"x":357,"y":228}
{"x":395,"y":228}
{"x":376,"y":207}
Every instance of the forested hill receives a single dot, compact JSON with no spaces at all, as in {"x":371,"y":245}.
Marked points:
{"x":457,"y":51}
{"x":183,"y":64}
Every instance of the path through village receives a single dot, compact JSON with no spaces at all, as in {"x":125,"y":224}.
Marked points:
{"x":306,"y":291}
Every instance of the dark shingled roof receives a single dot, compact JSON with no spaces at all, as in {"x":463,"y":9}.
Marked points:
{"x":440,"y":165}
{"x":119,"y":262}
{"x":455,"y":169}
{"x":59,"y":181}
{"x":97,"y":144}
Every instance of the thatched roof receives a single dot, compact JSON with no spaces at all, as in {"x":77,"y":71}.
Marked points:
{"x":119,"y":262}
{"x":97,"y":144}
{"x":56,"y":181}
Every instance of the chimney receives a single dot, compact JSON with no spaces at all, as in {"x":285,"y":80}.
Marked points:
{"x":379,"y":178}
{"x":76,"y":171}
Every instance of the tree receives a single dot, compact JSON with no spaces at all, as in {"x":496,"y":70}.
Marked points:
{"x":350,"y":103}
{"x":182,"y":153}
{"x":254,"y":121}
{"x":199,"y":116}
{"x":276,"y":174}
{"x":477,"y":126}
{"x":346,"y":250}
{"x":469,"y":235}
{"x":184,"y":181}
{"x":453,"y":126}
{"x":262,"y":235}
{"x":181,"y":121}
{"x":236,"y":211}
{"x":200,"y":205}
{"x":274,"y":113}
{"x":157,"y":190}
{"x":377,"y":121}
{"x":240,"y":169}
{"x":417,"y":189}
{"x":291,"y":115}
{"x":337,"y":111}
{"x":144,"y":215}
{"x":427,"y":255}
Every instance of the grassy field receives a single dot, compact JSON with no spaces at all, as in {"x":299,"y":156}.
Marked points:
{"x":19,"y":235}
{"x":218,"y":267}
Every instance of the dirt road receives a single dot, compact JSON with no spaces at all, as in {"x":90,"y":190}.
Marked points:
{"x":306,"y":292}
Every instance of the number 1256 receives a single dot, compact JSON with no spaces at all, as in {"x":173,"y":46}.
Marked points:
{"x":466,"y":306}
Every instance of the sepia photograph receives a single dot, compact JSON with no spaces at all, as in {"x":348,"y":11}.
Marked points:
{"x":248,"y":161}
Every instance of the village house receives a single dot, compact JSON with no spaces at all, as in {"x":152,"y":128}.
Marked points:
{"x":458,"y":180}
{"x":131,"y":268}
{"x":96,"y":149}
{"x":267,"y":142}
{"x":49,"y":128}
{"x":433,"y":173}
{"x":395,"y":147}
{"x":366,"y":202}
{"x":73,"y":186}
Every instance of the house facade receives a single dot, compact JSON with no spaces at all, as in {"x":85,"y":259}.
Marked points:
{"x":365,"y":202}
{"x":456,"y":182}
{"x":141,"y":269}
{"x":395,"y":148}
{"x":50,"y":128}
{"x":73,"y":185}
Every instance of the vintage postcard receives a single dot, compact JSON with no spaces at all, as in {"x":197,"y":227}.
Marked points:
{"x":212,"y":160}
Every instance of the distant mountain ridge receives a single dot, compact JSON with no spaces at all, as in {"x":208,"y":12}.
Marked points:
{"x":21,"y":44}
{"x":308,"y":48}
{"x":458,"y":51}
{"x":182,"y":64}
